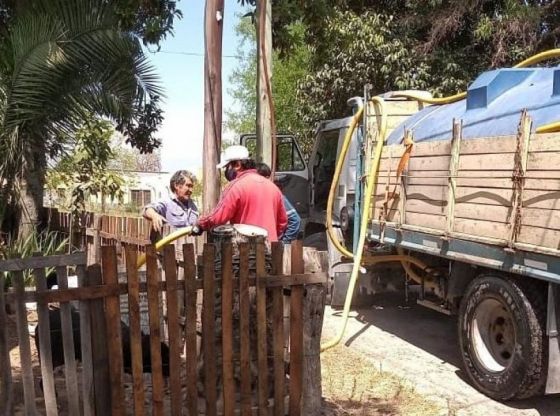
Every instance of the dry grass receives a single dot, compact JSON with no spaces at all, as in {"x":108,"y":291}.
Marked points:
{"x":352,"y":386}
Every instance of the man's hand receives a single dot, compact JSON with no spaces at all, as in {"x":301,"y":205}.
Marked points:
{"x":196,"y":230}
{"x":156,"y":219}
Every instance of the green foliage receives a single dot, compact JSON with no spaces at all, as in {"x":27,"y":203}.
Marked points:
{"x":61,"y":61}
{"x":45,"y":242}
{"x":84,"y":171}
{"x":437,"y":45}
{"x":286,"y":73}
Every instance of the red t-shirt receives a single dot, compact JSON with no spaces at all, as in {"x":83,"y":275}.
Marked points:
{"x":250,"y":199}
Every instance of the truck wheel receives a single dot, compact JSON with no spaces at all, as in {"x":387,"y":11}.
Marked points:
{"x":502,"y":337}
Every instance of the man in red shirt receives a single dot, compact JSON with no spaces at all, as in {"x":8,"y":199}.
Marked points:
{"x":249,"y":198}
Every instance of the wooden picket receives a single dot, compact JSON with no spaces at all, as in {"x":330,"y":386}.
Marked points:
{"x":226,"y":355}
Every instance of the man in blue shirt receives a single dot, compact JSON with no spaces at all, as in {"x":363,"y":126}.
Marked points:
{"x":294,"y":220}
{"x":179,"y":210}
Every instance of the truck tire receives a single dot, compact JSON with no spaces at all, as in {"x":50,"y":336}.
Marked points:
{"x":502,"y":337}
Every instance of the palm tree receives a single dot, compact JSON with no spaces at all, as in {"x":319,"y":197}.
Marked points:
{"x":61,"y":61}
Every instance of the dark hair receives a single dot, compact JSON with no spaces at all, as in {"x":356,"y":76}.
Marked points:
{"x":179,"y":178}
{"x":247,"y":164}
{"x":263,"y":170}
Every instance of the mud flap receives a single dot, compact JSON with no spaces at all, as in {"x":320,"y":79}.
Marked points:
{"x":553,"y":326}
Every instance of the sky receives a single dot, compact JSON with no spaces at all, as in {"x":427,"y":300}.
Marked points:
{"x":182,"y":76}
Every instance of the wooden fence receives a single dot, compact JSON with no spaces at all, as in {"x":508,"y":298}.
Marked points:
{"x":212,"y":378}
{"x":116,"y":230}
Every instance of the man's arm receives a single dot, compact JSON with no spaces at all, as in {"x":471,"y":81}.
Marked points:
{"x":294,"y":222}
{"x":155,"y":213}
{"x":224,"y":211}
{"x":281,"y":217}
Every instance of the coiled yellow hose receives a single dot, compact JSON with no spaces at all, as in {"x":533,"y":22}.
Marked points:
{"x":166,"y":240}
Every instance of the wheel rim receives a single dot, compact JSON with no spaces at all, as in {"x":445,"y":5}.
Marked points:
{"x":493,"y":335}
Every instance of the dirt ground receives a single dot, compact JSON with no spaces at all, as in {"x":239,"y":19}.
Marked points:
{"x":419,"y":347}
{"x":395,"y":359}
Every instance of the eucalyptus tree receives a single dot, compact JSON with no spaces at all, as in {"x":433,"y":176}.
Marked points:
{"x":60,"y":62}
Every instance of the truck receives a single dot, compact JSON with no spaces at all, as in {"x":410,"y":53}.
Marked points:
{"x":469,"y":192}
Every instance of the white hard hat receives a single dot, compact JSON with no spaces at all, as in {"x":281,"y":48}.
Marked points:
{"x":235,"y":152}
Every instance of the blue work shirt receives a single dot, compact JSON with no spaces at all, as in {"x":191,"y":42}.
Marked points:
{"x":175,"y":212}
{"x":294,"y":222}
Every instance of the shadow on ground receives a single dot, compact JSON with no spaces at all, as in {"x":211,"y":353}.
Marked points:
{"x":434,"y":333}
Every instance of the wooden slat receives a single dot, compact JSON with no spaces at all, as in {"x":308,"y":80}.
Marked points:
{"x":152,"y":278}
{"x":485,"y":145}
{"x":539,"y":237}
{"x":5,"y":365}
{"x":295,"y":279}
{"x":68,"y":346}
{"x":481,"y":228}
{"x":101,"y":379}
{"x":86,"y":349}
{"x":190,"y":329}
{"x":483,"y":162}
{"x":104,"y":291}
{"x":208,"y":331}
{"x":493,"y":213}
{"x":543,"y":218}
{"x":418,"y":164}
{"x":437,"y":222}
{"x":261,"y":332}
{"x":114,"y":336}
{"x":501,"y":183}
{"x":425,"y":192}
{"x":24,"y":345}
{"x":244,"y":334}
{"x":227,"y":330}
{"x":423,"y":206}
{"x":278,"y":331}
{"x":539,"y":199}
{"x":545,"y":142}
{"x":173,"y":327}
{"x":296,"y":332}
{"x":543,"y":184}
{"x":434,"y":148}
{"x":42,"y":262}
{"x":135,"y":332}
{"x":45,"y":350}
{"x":543,"y":161}
{"x":485,"y":196}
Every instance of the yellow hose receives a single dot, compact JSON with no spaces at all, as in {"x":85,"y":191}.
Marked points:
{"x":372,"y":178}
{"x":334,"y":184}
{"x":165,"y":240}
{"x":543,"y":56}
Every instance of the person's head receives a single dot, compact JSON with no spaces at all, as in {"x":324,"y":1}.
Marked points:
{"x":235,"y":159}
{"x":182,"y":183}
{"x":263,"y":169}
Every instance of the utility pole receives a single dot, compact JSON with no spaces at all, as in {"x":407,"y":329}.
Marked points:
{"x":213,"y":28}
{"x":265,"y":109}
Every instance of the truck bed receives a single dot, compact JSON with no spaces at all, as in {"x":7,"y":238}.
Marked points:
{"x":493,"y":201}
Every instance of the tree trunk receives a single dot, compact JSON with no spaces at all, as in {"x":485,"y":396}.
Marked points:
{"x":31,"y":187}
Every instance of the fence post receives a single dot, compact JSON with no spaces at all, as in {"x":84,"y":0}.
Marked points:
{"x":94,"y":247}
{"x":313,"y":312}
{"x":101,"y":382}
{"x":5,"y":366}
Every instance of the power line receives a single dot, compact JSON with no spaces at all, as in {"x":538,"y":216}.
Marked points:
{"x":194,"y":54}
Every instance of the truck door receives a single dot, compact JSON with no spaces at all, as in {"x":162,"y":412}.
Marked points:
{"x":291,"y":171}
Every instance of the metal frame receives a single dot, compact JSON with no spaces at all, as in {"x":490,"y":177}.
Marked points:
{"x":540,"y":266}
